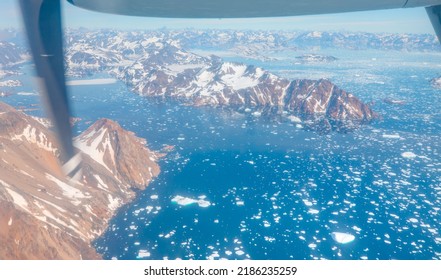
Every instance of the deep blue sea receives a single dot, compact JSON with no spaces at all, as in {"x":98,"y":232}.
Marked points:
{"x":276,"y":191}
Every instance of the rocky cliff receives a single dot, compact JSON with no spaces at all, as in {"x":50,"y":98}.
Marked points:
{"x":42,"y":214}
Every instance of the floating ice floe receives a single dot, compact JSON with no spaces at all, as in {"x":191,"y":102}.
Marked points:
{"x":184,"y":201}
{"x":408,"y":155}
{"x":239,"y":252}
{"x":307,"y":202}
{"x":240,"y":203}
{"x":356,"y":228}
{"x":342,"y":237}
{"x":143,"y":254}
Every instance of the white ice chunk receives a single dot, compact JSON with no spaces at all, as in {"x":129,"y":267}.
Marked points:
{"x":342,"y":237}
{"x":184,"y":201}
{"x":408,"y":155}
{"x":240,"y":203}
{"x":240,"y":252}
{"x":143,"y":254}
{"x":307,"y":202}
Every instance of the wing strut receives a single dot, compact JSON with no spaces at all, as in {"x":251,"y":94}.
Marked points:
{"x":42,"y":20}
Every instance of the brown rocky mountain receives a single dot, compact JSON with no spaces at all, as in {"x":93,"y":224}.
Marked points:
{"x":42,"y":214}
{"x":311,"y":98}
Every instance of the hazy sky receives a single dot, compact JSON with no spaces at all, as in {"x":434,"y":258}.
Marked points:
{"x":400,"y":20}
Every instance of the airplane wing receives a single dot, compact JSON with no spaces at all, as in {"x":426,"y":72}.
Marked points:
{"x":241,"y":8}
{"x":42,"y":20}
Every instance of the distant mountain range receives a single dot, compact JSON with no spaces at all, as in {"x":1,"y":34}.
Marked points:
{"x":258,"y":40}
{"x":246,"y":43}
{"x":42,"y":214}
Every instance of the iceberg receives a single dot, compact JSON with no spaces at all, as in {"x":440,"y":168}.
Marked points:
{"x":185,"y":201}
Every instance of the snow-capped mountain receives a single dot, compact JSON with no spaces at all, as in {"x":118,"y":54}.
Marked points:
{"x":311,"y":98}
{"x":272,"y":40}
{"x":172,"y":72}
{"x":85,"y":57}
{"x":10,"y":54}
{"x":42,"y":214}
{"x":248,"y":43}
{"x":120,"y":152}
